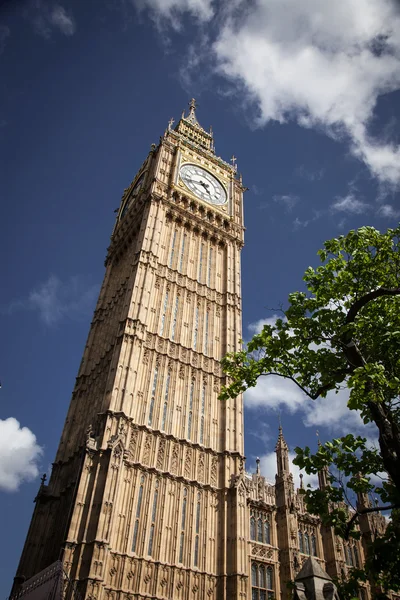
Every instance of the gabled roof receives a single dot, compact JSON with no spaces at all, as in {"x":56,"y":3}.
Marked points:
{"x":312,"y":568}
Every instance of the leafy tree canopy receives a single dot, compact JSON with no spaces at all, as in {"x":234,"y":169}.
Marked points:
{"x":344,"y":331}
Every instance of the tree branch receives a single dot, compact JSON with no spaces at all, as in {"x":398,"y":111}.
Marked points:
{"x":320,"y":390}
{"x":359,"y":304}
{"x":365,"y":511}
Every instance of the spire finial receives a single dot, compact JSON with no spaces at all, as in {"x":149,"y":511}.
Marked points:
{"x":301,"y":481}
{"x":258,"y":465}
{"x":192,"y":106}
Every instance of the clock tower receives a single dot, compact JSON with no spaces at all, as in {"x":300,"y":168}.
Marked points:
{"x":141,"y":501}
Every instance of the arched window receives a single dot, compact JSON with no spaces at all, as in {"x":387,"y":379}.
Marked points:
{"x":153,"y":520}
{"x":165,"y":409}
{"x":171,"y":256}
{"x":267,"y":532}
{"x":138,"y":509}
{"x":201,"y":261}
{"x":269,"y":579}
{"x":306,"y":543}
{"x":254,"y":578}
{"x":313,"y":545}
{"x":153,"y":396}
{"x":301,"y":541}
{"x":182,"y":253}
{"x":209,"y":267}
{"x":261,"y":582}
{"x":196,"y":327}
{"x":190,"y":416}
{"x":259,"y":530}
{"x":253,"y":529}
{"x":205,"y":347}
{"x":349,"y":556}
{"x":183,"y":524}
{"x":175,"y":318}
{"x":197,"y":530}
{"x":203,"y":404}
{"x":356,"y":556}
{"x":164,"y":312}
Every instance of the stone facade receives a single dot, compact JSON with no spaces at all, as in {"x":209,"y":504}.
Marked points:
{"x":148,"y":496}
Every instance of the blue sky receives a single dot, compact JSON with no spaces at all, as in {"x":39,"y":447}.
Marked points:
{"x":306,"y":95}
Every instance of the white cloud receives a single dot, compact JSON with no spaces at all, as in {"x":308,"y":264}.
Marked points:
{"x":349,"y":204}
{"x":387,"y":211}
{"x":59,"y":18}
{"x":19,"y":455}
{"x":257,"y":326}
{"x":288,"y":200}
{"x":298,"y":223}
{"x":45,"y":20}
{"x":275,"y":393}
{"x":322,"y":64}
{"x":55,"y":300}
{"x":308,"y":174}
{"x":268,"y":469}
{"x":172,"y":10}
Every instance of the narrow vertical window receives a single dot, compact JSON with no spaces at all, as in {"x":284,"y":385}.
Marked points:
{"x":171,"y":256}
{"x":165,"y":408}
{"x":313,"y":545}
{"x":190,"y":414}
{"x":153,"y":520}
{"x":270,"y":583}
{"x":203,"y":404}
{"x":196,"y":327}
{"x":356,"y":557}
{"x":267,"y":532}
{"x":153,"y":396}
{"x":209,"y":267}
{"x":163,"y":314}
{"x":301,"y":541}
{"x":182,"y":253}
{"x":197,"y":531}
{"x":175,"y":318}
{"x":201,"y":261}
{"x":261,"y":570}
{"x":254,"y":575}
{"x":138,"y":509}
{"x":306,"y":543}
{"x":349,"y":556}
{"x":205,"y":350}
{"x":253,"y":529}
{"x":259,"y":530}
{"x":183,"y":525}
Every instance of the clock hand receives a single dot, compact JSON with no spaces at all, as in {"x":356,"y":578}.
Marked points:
{"x":205,"y":186}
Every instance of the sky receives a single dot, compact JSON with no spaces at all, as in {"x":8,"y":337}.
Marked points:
{"x":305,"y":94}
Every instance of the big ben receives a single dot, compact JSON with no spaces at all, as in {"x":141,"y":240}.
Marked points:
{"x":140,"y":503}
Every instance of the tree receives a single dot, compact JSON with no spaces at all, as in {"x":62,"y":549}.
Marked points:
{"x":343,"y":331}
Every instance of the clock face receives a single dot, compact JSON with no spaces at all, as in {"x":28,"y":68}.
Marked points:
{"x":132,"y":197}
{"x":204,"y":185}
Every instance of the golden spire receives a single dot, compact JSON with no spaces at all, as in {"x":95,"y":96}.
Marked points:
{"x":192,"y":114}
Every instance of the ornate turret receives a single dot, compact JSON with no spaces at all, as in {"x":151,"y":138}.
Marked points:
{"x":191,"y":128}
{"x":282,"y":454}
